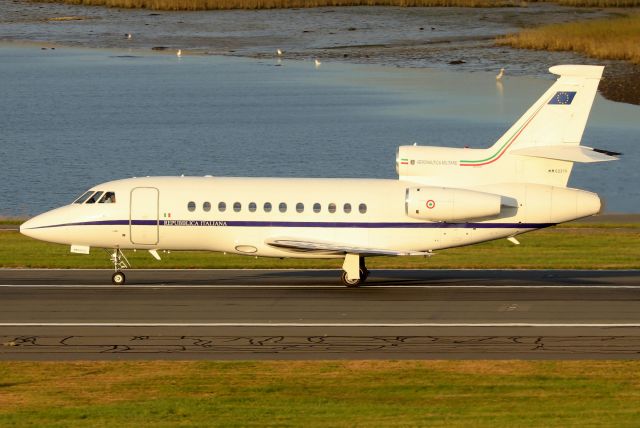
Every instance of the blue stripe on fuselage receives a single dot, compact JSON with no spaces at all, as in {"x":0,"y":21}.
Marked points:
{"x":300,"y":224}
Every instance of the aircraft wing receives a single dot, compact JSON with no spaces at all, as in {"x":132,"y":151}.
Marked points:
{"x":322,"y":247}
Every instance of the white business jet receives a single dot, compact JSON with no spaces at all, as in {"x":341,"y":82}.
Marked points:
{"x":444,"y":197}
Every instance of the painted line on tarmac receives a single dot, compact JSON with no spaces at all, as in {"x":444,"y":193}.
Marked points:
{"x":320,"y":324}
{"x":311,"y":287}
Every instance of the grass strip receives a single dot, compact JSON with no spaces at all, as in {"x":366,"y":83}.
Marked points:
{"x":321,"y":393}
{"x":611,"y":38}
{"x":554,"y":248}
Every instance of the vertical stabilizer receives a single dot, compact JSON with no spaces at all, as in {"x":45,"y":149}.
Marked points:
{"x":540,"y":148}
{"x":560,"y":114}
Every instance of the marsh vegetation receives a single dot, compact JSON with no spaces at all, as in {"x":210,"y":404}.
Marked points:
{"x":610,"y":38}
{"x":280,"y":4}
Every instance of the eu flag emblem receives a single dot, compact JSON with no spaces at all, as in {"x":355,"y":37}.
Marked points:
{"x":562,"y":98}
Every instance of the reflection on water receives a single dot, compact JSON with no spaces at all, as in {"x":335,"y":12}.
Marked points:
{"x":74,"y":118}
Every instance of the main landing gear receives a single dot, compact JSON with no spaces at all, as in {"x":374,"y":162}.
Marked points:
{"x":355,"y":271}
{"x":120,"y":263}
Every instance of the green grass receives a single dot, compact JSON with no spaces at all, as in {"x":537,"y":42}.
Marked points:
{"x":582,"y":247}
{"x":321,"y":394}
{"x":612,"y":38}
{"x":12,"y":220}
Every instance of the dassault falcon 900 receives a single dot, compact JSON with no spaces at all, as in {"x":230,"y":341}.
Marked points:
{"x":444,"y":197}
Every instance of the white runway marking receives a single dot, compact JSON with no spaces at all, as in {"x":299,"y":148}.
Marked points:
{"x":319,"y":324}
{"x":311,"y":287}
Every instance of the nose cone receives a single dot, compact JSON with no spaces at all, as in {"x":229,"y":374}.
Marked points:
{"x":28,"y":227}
{"x":33,"y":227}
{"x":47,"y":226}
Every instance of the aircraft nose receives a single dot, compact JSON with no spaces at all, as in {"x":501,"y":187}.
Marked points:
{"x":29,"y":228}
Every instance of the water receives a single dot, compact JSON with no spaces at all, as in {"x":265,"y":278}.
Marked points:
{"x":72,"y":118}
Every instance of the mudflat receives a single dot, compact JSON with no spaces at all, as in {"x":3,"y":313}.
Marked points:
{"x":457,"y":38}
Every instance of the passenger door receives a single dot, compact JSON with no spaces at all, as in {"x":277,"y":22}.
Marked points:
{"x":144,"y":220}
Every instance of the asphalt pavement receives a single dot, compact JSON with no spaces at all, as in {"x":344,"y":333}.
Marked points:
{"x":50,"y":314}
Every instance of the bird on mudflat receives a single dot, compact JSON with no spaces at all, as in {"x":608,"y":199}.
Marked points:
{"x":179,"y":53}
{"x":317,"y":62}
{"x":499,"y":76}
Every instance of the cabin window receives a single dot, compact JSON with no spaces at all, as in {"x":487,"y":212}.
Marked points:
{"x":93,"y":199}
{"x":316,"y":207}
{"x":362,"y":208}
{"x":108,"y":198}
{"x":347,"y":208}
{"x":267,"y":207}
{"x":300,"y":207}
{"x":252,"y":207}
{"x":84,"y":197}
{"x":222,"y":207}
{"x":206,"y":206}
{"x":332,"y":208}
{"x":237,"y":206}
{"x":282,"y":207}
{"x":191,"y":206}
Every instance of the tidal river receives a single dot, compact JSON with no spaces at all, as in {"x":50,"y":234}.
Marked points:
{"x":72,"y":118}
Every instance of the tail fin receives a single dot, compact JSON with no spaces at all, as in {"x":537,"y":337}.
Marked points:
{"x":545,"y":142}
{"x":560,"y":115}
{"x":540,"y":147}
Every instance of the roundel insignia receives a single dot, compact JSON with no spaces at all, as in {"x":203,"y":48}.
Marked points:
{"x":431,"y":204}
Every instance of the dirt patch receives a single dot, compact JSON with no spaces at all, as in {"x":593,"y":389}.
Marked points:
{"x":622,"y":84}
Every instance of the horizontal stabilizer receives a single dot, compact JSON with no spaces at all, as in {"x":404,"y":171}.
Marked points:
{"x":567,"y":152}
{"x":320,"y":247}
{"x":607,"y":152}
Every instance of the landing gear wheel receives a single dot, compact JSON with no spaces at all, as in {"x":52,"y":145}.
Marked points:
{"x":350,"y":282}
{"x":118,"y":278}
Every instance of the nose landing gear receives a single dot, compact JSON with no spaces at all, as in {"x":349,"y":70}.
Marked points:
{"x":120,"y":263}
{"x":118,"y":278}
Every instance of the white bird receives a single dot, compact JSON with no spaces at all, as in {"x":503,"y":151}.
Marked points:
{"x":279,"y":52}
{"x":317,"y":61}
{"x":499,"y":76}
{"x":179,"y":53}
{"x":128,"y":35}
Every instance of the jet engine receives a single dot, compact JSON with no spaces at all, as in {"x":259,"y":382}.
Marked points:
{"x":449,"y":204}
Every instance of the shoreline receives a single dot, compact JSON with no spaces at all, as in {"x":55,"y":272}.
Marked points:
{"x":459,"y":39}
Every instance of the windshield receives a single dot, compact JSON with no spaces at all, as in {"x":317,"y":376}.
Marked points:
{"x":84,"y":197}
{"x":94,"y":198}
{"x":108,"y":198}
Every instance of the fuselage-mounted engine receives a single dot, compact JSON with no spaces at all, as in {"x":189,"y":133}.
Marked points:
{"x":449,"y":204}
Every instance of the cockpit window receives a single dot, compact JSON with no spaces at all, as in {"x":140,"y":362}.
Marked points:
{"x":108,"y":198}
{"x":84,"y":197}
{"x":94,"y":198}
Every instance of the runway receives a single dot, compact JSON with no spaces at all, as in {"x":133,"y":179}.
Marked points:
{"x":54,"y":314}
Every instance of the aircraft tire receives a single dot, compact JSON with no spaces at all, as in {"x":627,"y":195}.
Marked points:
{"x":118,"y":278}
{"x":351,"y":283}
